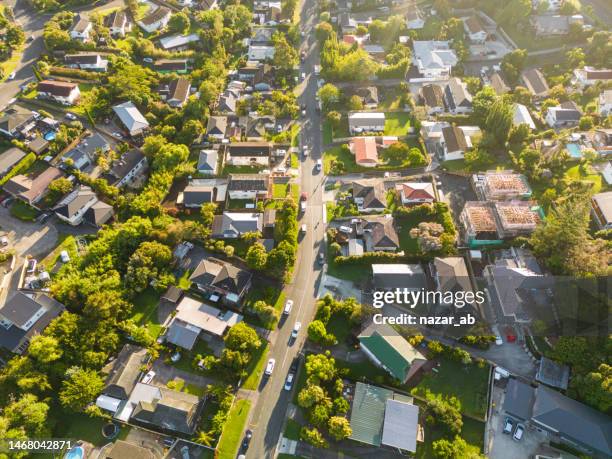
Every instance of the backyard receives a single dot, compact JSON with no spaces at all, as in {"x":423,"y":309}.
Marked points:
{"x":145,"y":310}
{"x":397,"y":124}
{"x":66,"y":242}
{"x":232,"y":430}
{"x":81,"y":427}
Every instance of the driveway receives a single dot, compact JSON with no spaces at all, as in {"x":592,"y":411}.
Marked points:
{"x":28,"y":238}
{"x":165,"y":373}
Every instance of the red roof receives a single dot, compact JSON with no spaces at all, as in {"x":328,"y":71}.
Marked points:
{"x":364,"y":149}
{"x":418,"y":190}
{"x":350,"y":39}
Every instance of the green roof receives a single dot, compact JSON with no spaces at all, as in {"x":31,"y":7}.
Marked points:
{"x":368,"y":413}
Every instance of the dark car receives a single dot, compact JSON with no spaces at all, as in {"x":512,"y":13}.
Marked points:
{"x":247,"y":439}
{"x":294,"y":365}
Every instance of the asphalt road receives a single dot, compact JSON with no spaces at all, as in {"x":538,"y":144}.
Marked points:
{"x":269,"y":413}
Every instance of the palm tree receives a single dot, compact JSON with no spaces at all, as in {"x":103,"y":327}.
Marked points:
{"x":204,"y":438}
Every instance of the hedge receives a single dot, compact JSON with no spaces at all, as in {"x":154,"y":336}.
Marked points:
{"x":75,"y":73}
{"x":22,"y":166}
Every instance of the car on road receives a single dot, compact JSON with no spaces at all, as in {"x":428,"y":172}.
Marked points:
{"x":168,"y":442}
{"x":64,"y":256}
{"x":288,"y":306}
{"x":303,"y":229}
{"x":246,"y":440}
{"x":4,"y":240}
{"x":305,"y":152}
{"x":117,"y":135}
{"x":12,"y":76}
{"x":31,"y":38}
{"x":70,"y":116}
{"x":303,"y":206}
{"x":294,"y":365}
{"x":31,"y":268}
{"x":303,"y":112}
{"x":148,"y":377}
{"x":319,"y":165}
{"x":321,"y":258}
{"x":7,"y":201}
{"x":270,"y":367}
{"x":44,"y":217}
{"x":518,"y":433}
{"x":289,"y":381}
{"x":296,"y":329}
{"x":508,"y":426}
{"x":303,"y":76}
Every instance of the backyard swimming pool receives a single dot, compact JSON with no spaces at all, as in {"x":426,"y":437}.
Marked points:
{"x":75,"y":453}
{"x":49,"y":136}
{"x":574,"y":150}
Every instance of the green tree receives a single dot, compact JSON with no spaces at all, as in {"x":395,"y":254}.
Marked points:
{"x":80,"y":388}
{"x":482,"y":102}
{"x":310,"y":395}
{"x":341,"y":406}
{"x":321,"y":367}
{"x":314,"y":437}
{"x":179,"y":22}
{"x":319,"y":414}
{"x":285,"y":55}
{"x":586,"y":123}
{"x":44,"y":349}
{"x":355,"y":103}
{"x":595,"y":388}
{"x":499,"y":122}
{"x":324,"y":31}
{"x":60,"y":186}
{"x":257,"y":257}
{"x":444,"y":411}
{"x":339,"y":428}
{"x":329,"y":96}
{"x":241,"y":337}
{"x":207,"y":212}
{"x":26,"y":416}
{"x":396,"y":152}
{"x":512,"y":65}
{"x":456,"y":448}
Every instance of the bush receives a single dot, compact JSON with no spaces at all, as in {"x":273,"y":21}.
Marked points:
{"x":74,"y":73}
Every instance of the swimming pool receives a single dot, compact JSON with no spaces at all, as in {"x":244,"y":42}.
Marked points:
{"x":75,"y":453}
{"x":574,"y":150}
{"x":49,"y":136}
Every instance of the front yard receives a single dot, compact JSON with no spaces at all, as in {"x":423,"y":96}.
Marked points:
{"x":23,"y":211}
{"x":232,"y":430}
{"x":255,"y":367}
{"x":66,"y":242}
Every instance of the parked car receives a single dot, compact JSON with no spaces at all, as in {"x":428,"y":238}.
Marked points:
{"x":518,"y":433}
{"x":7,"y":201}
{"x":44,"y":217}
{"x":148,"y":60}
{"x":246,"y":440}
{"x":4,"y":240}
{"x":12,"y":76}
{"x":294,"y":365}
{"x":508,"y":426}
{"x":270,"y":367}
{"x":64,"y":256}
{"x":321,"y":258}
{"x":148,"y":377}
{"x":345,"y":229}
{"x":117,"y":135}
{"x":303,"y":229}
{"x":288,"y":306}
{"x":176,"y":357}
{"x":31,"y":268}
{"x":70,"y":116}
{"x":296,"y":329}
{"x":319,"y":165}
{"x":168,"y":441}
{"x":289,"y":381}
{"x":305,"y":152}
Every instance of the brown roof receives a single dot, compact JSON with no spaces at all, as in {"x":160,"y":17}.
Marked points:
{"x":480,"y":216}
{"x":115,"y":19}
{"x":170,"y":64}
{"x":535,"y":82}
{"x":56,"y":88}
{"x":454,"y":138}
{"x":433,"y":95}
{"x":30,"y":189}
{"x":498,"y":84}
{"x":473,"y":25}
{"x":155,"y":16}
{"x":124,"y":450}
{"x":179,"y":89}
{"x":416,"y":190}
{"x":599,"y":74}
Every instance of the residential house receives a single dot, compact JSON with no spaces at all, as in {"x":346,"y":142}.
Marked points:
{"x":156,"y":20}
{"x":98,"y":214}
{"x":390,"y":351}
{"x":432,"y":96}
{"x":553,"y":5}
{"x":566,"y":420}
{"x":478,"y":224}
{"x":365,"y":151}
{"x":501,"y":186}
{"x":222,"y":279}
{"x":416,"y":193}
{"x":522,"y":116}
{"x":87,"y":61}
{"x":565,"y":115}
{"x":170,"y":65}
{"x":134,"y":122}
{"x":232,"y":225}
{"x":376,"y":52}
{"x":31,"y":190}
{"x":392,"y":276}
{"x":207,"y":162}
{"x":206,"y":5}
{"x":176,"y":43}
{"x":457,"y":98}
{"x":117,"y":23}
{"x":38,"y":145}
{"x":9,"y":159}
{"x":196,"y":194}
{"x":61,"y":92}
{"x":379,"y":234}
{"x":414,"y":18}
{"x":605,"y":103}
{"x":122,"y":449}
{"x":122,"y":375}
{"x":260,"y":53}
{"x":516,"y":218}
{"x":176,"y":92}
{"x":588,"y":76}
{"x":605,"y":169}
{"x":217,"y":127}
{"x":450,"y":274}
{"x":227,"y":102}
{"x":194,"y":318}
{"x":474,"y":30}
{"x":368,"y":96}
{"x":384,"y":419}
{"x":497,"y":82}
{"x":86,"y":152}
{"x":250,"y":186}
{"x":24,"y":316}
{"x":434,"y":59}
{"x":553,"y":374}
{"x":251,"y":73}
{"x":549,"y":25}
{"x":73,"y":207}
{"x":535,"y":82}
{"x":454,"y":143}
{"x":81,"y":28}
{"x":267,"y":12}
{"x":17,"y":121}
{"x":127,"y":168}
{"x":249,"y":153}
{"x":366,"y":122}
{"x":601,"y":141}
{"x":257,"y":127}
{"x":347,"y":23}
{"x":601,"y":209}
{"x":369,"y":195}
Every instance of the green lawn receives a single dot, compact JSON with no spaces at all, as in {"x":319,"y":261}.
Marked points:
{"x":23,"y":211}
{"x":295,"y":161}
{"x":232,"y":431}
{"x":292,"y":430}
{"x":339,"y":327}
{"x":279,"y":190}
{"x":145,"y":310}
{"x":271,"y":295}
{"x":65,"y":242}
{"x":255,"y":367}
{"x":397,"y":123}
{"x":576,"y":173}
{"x":472,"y":432}
{"x":357,"y":371}
{"x":241,"y":170}
{"x":355,"y":273}
{"x":391,"y":98}
{"x":183,"y":282}
{"x":187,"y":357}
{"x":81,"y":427}
{"x":328,"y":132}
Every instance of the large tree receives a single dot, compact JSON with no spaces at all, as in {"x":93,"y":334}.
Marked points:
{"x":80,"y":388}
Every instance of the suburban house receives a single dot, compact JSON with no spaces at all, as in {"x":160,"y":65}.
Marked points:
{"x":176,"y":92}
{"x":387,"y":349}
{"x":156,"y":20}
{"x":31,"y":190}
{"x":176,"y":43}
{"x":434,"y":59}
{"x":564,"y":419}
{"x":117,"y":23}
{"x":207,"y":162}
{"x":232,"y":225}
{"x":474,"y":30}
{"x":227,"y":101}
{"x":348,"y":24}
{"x":59,"y":91}
{"x":122,"y":375}
{"x":170,"y":66}
{"x":369,"y":195}
{"x":206,"y":5}
{"x":217,"y":127}
{"x":85,"y":153}
{"x":587,"y":76}
{"x":131,"y":118}
{"x":249,"y":153}
{"x":432,"y":96}
{"x":553,"y":374}
{"x":222,"y":279}
{"x":23,"y":316}
{"x":601,"y":209}
{"x":251,"y":73}
{"x":605,"y":102}
{"x":368,"y":96}
{"x":501,"y":186}
{"x":456,"y":96}
{"x":81,"y":28}
{"x":378,"y":233}
{"x":522,"y":116}
{"x":365,"y":150}
{"x":122,"y":449}
{"x":415,"y":193}
{"x":194,"y":318}
{"x":414,"y":18}
{"x":125,"y":169}
{"x":565,"y":115}
{"x":605,"y":170}
{"x":38,"y":145}
{"x":87,"y":61}
{"x":98,"y":214}
{"x":385,"y":419}
{"x":9,"y":159}
{"x":392,"y":276}
{"x":479,"y":226}
{"x":450,"y":274}
{"x":366,"y":122}
{"x":16,"y":121}
{"x":497,"y":82}
{"x":250,"y":186}
{"x":549,"y":25}
{"x":195,"y":195}
{"x":260,"y":53}
{"x":535,"y":82}
{"x":73,"y":207}
{"x":257,"y":127}
{"x":455,"y":141}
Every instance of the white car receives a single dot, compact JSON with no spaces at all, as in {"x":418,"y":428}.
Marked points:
{"x":148,"y":377}
{"x":64,"y":256}
{"x":296,"y":329}
{"x":288,"y":306}
{"x":319,"y":164}
{"x":270,"y":367}
{"x":148,"y":60}
{"x":289,"y":381}
{"x":303,"y":76}
{"x":4,"y":240}
{"x":345,"y":229}
{"x":305,"y":152}
{"x":175,"y":357}
{"x":12,"y":76}
{"x":117,"y":135}
{"x":71,"y":116}
{"x":303,"y":229}
{"x":518,"y":433}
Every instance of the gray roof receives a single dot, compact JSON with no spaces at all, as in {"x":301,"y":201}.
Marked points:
{"x":92,"y":143}
{"x":10,"y":158}
{"x":372,"y":192}
{"x":217,"y":125}
{"x":124,"y":450}
{"x":401,"y":425}
{"x":80,"y":24}
{"x":182,"y":334}
{"x":207,"y":160}
{"x":249,"y":149}
{"x":156,"y":16}
{"x":222,"y":275}
{"x":457,"y":94}
{"x":535,"y":82}
{"x":75,"y":201}
{"x":236,"y":223}
{"x":21,"y":307}
{"x":249,"y":182}
{"x":198,"y":194}
{"x":381,"y":233}
{"x":126,"y":163}
{"x":175,"y":411}
{"x":519,"y":399}
{"x":14,"y":118}
{"x":124,"y":371}
{"x":99,"y":213}
{"x":82,"y":58}
{"x":552,"y":373}
{"x":390,"y":276}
